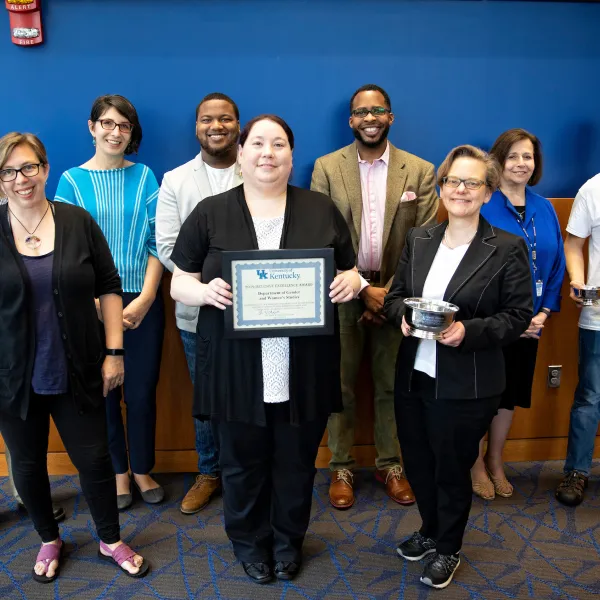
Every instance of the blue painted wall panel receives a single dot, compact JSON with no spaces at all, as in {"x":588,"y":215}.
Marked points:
{"x":456,"y":72}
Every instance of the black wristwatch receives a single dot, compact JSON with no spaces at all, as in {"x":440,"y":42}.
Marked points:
{"x":114,"y":351}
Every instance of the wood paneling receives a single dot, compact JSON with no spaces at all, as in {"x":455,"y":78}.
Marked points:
{"x":538,"y":433}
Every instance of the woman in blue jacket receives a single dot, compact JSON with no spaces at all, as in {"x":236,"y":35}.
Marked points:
{"x":515,"y":208}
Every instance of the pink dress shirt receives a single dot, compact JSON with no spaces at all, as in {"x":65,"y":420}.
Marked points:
{"x":373,"y":183}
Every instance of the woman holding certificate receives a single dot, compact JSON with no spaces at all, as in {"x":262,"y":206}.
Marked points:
{"x":448,"y":390}
{"x":268,"y":398}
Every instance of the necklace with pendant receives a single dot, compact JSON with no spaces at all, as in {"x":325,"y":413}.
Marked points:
{"x":32,"y":241}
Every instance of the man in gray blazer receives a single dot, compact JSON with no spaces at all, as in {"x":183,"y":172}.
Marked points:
{"x":211,"y":172}
{"x":382,"y":192}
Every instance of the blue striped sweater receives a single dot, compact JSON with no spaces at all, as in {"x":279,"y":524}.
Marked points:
{"x":123,"y":203}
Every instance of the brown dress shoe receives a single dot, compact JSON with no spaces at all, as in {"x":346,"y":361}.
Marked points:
{"x":341,"y":494}
{"x":396,"y":485}
{"x":199,"y":495}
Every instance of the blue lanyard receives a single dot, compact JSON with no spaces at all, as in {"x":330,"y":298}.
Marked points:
{"x":532,"y":244}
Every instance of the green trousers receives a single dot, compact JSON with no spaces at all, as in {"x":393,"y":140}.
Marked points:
{"x":383,"y":343}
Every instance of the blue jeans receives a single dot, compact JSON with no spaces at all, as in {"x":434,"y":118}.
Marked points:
{"x":585,"y":412}
{"x":208,"y":454}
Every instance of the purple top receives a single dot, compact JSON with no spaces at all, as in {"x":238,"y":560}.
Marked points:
{"x":50,"y":365}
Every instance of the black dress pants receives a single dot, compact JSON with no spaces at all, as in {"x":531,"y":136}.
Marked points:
{"x":439,"y":439}
{"x":267,"y":475}
{"x":85,"y":439}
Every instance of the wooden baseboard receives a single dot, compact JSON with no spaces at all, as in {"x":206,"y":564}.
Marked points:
{"x":186,"y":461}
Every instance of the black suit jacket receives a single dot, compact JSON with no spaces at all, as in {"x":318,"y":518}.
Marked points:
{"x":82,"y":269}
{"x":491,"y":287}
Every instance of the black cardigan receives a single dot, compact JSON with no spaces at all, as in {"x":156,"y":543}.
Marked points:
{"x":229,"y":377}
{"x":83,"y":269}
{"x":491,"y":287}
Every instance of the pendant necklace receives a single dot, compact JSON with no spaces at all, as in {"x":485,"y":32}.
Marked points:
{"x":32,"y":241}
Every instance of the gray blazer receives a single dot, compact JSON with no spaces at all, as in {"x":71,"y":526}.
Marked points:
{"x":181,"y":190}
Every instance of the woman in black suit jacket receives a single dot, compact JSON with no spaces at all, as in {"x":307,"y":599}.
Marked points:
{"x":448,"y":391}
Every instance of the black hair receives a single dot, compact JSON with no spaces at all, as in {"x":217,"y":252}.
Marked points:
{"x":122,"y":105}
{"x":371,"y":87}
{"x":219,"y":96}
{"x":252,"y":122}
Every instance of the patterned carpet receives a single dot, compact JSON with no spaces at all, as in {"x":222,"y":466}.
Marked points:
{"x":528,"y":546}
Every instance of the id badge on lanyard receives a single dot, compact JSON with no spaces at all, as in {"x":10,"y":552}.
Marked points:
{"x":539,"y":287}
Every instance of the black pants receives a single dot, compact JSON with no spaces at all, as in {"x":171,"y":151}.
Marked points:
{"x":268,"y":475}
{"x":84,"y":437}
{"x":143,"y":350}
{"x":440,"y":443}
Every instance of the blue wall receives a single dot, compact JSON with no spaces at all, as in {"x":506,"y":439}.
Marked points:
{"x":456,"y":71}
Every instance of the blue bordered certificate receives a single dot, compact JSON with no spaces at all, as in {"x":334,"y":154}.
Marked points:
{"x":279,"y":293}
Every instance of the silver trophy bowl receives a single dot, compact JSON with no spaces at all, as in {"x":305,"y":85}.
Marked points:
{"x":428,"y":318}
{"x":589,"y":294}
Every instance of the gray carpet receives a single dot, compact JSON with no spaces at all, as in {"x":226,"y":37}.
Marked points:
{"x":528,"y":546}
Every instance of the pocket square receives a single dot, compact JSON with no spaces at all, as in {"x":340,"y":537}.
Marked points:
{"x":408,"y":197}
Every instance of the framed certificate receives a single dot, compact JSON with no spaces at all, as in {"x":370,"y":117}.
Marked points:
{"x":279,"y":293}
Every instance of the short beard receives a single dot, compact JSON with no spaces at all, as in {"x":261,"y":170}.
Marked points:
{"x":369,"y":144}
{"x":218,"y":152}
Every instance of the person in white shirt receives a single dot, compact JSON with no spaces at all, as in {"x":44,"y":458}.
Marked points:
{"x":211,"y":172}
{"x":584,"y":223}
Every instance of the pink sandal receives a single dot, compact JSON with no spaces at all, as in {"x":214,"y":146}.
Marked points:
{"x":121,"y":554}
{"x":47,"y":554}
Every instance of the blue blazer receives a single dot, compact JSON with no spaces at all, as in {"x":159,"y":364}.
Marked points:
{"x":550,"y":251}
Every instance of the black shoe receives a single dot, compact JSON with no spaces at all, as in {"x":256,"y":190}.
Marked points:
{"x":153,"y":496}
{"x":286,"y":570}
{"x":259,"y":572}
{"x":439,"y":571}
{"x":571,"y":489}
{"x":416,"y":547}
{"x":124,"y":501}
{"x":58,"y":512}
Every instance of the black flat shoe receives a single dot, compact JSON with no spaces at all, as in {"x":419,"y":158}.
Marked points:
{"x":153,"y":496}
{"x":286,"y":570}
{"x":58,"y":512}
{"x":124,"y":501}
{"x":259,"y":572}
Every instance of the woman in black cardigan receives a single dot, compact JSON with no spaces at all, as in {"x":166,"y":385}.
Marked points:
{"x":448,"y":391}
{"x":269,"y":398}
{"x":54,"y":262}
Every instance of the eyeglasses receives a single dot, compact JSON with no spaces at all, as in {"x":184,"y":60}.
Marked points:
{"x":470,"y":184}
{"x":376,"y":111}
{"x":110,"y":125}
{"x":28,"y":170}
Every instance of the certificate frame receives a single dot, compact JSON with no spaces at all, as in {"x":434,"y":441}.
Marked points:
{"x":240,"y":267}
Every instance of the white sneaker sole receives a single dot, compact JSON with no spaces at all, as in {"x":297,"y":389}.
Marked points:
{"x":414,"y":558}
{"x":440,"y":586}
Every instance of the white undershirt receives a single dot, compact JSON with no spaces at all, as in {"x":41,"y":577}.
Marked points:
{"x":220,"y":180}
{"x":275,"y":351}
{"x":442,"y":269}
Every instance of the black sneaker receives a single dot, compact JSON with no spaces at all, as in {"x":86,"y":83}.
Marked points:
{"x":571,"y":489}
{"x":438,"y":573}
{"x":416,"y":547}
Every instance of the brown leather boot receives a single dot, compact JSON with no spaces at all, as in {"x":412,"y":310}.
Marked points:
{"x":341,"y":494}
{"x":199,"y":495}
{"x":396,"y":485}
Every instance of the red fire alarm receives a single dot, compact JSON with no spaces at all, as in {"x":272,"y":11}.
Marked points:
{"x":25,"y":22}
